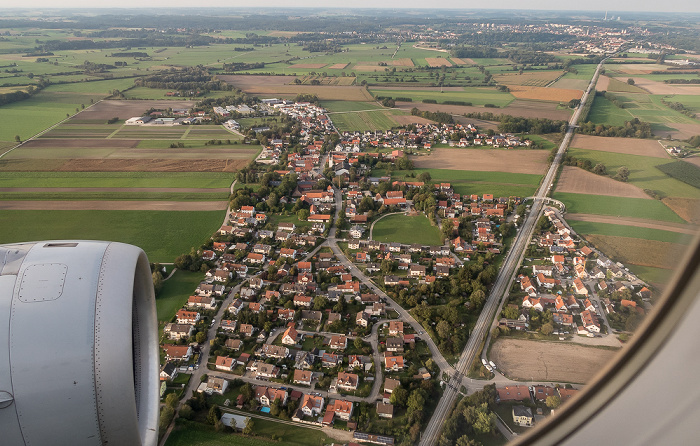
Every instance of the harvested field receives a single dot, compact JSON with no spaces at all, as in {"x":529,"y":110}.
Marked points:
{"x":631,"y":68}
{"x":485,"y":125}
{"x":113,"y":205}
{"x":617,"y":85}
{"x":438,"y":62}
{"x":639,"y":252}
{"x":42,"y":143}
{"x":107,"y":109}
{"x":405,"y":62}
{"x":304,"y":66}
{"x":368,"y":68}
{"x":602,"y":83}
{"x":410,"y":119}
{"x":636,"y":222}
{"x":36,"y":190}
{"x":133,"y":153}
{"x":126,"y":165}
{"x":570,"y":84}
{"x":534,"y":79}
{"x":544,"y":94}
{"x":656,"y":87}
{"x":462,"y":61}
{"x":488,"y":160}
{"x":338,"y":66}
{"x":549,"y":361}
{"x":681,"y":131}
{"x":578,"y":181}
{"x":264,"y":86}
{"x":687,"y":208}
{"x":522,"y":108}
{"x":628,"y":146}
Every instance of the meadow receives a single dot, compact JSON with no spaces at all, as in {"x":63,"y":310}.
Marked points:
{"x":365,"y":121}
{"x":616,"y":206}
{"x":175,"y":292}
{"x":404,"y":229}
{"x":585,"y":227}
{"x":478,"y":96}
{"x":642,"y":171}
{"x":162,"y":235}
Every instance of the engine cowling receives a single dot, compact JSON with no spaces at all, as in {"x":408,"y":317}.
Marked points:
{"x":78,"y":345}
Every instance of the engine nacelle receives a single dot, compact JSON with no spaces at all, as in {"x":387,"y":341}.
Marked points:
{"x":78,"y":345}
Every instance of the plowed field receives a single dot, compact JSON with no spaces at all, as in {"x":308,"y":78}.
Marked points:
{"x":579,"y":181}
{"x":488,"y":160}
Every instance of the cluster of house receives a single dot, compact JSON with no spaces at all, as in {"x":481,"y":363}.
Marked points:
{"x":423,"y":136}
{"x":311,"y":117}
{"x":580,"y":274}
{"x":523,"y":415}
{"x":178,"y":116}
{"x":241,"y":109}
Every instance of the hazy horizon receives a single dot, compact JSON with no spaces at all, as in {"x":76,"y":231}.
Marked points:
{"x":673,"y":6}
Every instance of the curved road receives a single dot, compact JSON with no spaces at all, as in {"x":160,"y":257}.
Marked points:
{"x":504,"y":278}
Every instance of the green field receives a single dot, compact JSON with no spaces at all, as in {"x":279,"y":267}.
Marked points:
{"x":349,"y":106}
{"x":195,"y":434}
{"x":124,"y":194}
{"x":476,"y":95}
{"x":605,"y":112}
{"x":643,"y":171}
{"x":617,"y":206}
{"x":175,"y":292}
{"x":162,"y":235}
{"x":586,"y":227}
{"x":680,"y":170}
{"x":650,"y":274}
{"x":403,"y":229}
{"x":364,"y":121}
{"x":158,"y":93}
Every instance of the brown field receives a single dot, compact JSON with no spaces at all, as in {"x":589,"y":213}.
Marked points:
{"x":602,"y":83}
{"x":338,"y":66}
{"x":327,"y":80}
{"x":655,"y":87}
{"x":307,"y":65}
{"x":194,"y":190}
{"x":438,"y":62}
{"x":42,"y":143}
{"x":122,"y":165}
{"x":97,"y":152}
{"x":488,"y":160}
{"x":523,"y":108}
{"x":687,"y":208}
{"x":617,"y":85}
{"x":534,"y":79}
{"x":549,"y":361}
{"x":368,"y":68}
{"x":277,"y":86}
{"x":462,"y":61}
{"x":628,"y":146}
{"x":410,"y":119}
{"x":107,"y":109}
{"x":578,"y":181}
{"x":114,"y":205}
{"x":681,"y":131}
{"x":544,"y":94}
{"x":631,"y":68}
{"x":485,"y":125}
{"x":639,"y":252}
{"x":405,"y":62}
{"x":636,"y":222}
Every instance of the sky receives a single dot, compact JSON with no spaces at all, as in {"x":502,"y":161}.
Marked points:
{"x":590,"y":5}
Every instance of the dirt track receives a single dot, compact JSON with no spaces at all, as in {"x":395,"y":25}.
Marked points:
{"x":114,"y":205}
{"x":549,"y":361}
{"x":637,"y":222}
{"x":578,"y":181}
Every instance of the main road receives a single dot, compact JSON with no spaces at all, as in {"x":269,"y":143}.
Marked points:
{"x":504,"y":278}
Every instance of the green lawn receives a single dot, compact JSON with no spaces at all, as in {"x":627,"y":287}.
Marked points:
{"x":617,"y":206}
{"x":364,"y":121}
{"x":117,"y":179}
{"x":403,"y":229}
{"x":585,"y":227}
{"x":651,"y":274}
{"x":175,"y":292}
{"x":643,"y":171}
{"x":162,"y":235}
{"x":195,"y":434}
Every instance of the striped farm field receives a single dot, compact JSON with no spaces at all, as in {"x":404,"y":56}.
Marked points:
{"x":438,"y":62}
{"x":405,"y":62}
{"x":338,"y":66}
{"x":544,"y":94}
{"x":461,"y":61}
{"x":534,"y":79}
{"x":308,"y":65}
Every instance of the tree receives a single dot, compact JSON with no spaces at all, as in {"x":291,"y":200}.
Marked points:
{"x":17,"y":138}
{"x":214,"y":415}
{"x":553,"y":401}
{"x":477,"y":298}
{"x":247,"y":391}
{"x":465,"y":441}
{"x":482,"y":419}
{"x":303,"y":214}
{"x":623,"y":174}
{"x":171,"y":400}
{"x":399,"y":397}
{"x":166,"y":416}
{"x":200,"y":337}
{"x":443,"y":329}
{"x":249,"y":426}
{"x":630,"y":81}
{"x":600,"y":169}
{"x":358,"y":343}
{"x":186,"y":412}
{"x":546,"y":329}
